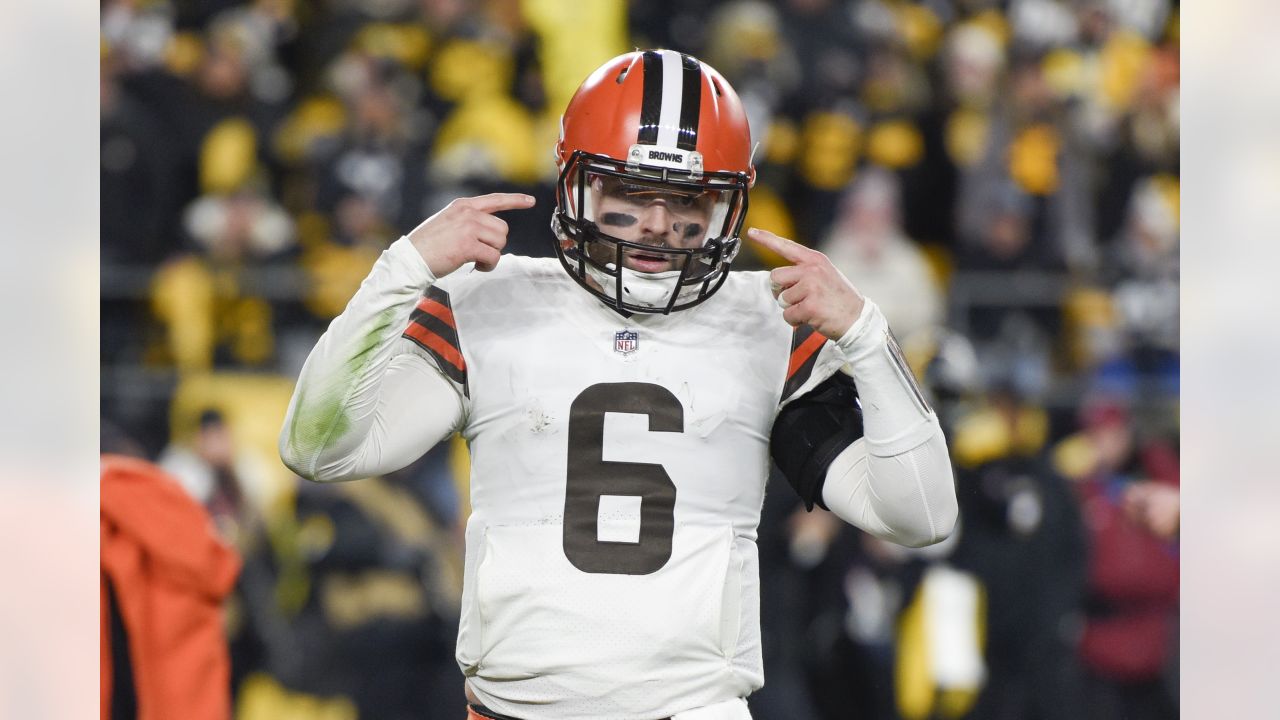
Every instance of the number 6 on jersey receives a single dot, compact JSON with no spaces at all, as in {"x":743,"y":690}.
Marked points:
{"x":590,"y":477}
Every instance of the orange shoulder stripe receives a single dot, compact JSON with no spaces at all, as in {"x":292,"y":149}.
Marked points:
{"x":439,"y":310}
{"x":801,"y":354}
{"x":435,"y":342}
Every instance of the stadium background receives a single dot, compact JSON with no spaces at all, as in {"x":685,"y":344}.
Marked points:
{"x":1002,"y":177}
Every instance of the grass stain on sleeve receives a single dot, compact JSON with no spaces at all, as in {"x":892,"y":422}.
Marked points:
{"x":322,"y":415}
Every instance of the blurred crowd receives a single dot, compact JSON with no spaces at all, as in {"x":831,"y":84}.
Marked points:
{"x":1000,"y":176}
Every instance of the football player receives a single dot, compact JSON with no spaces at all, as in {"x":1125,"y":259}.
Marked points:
{"x":620,"y":403}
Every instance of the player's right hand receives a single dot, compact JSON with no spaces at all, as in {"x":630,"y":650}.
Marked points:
{"x":466,"y":231}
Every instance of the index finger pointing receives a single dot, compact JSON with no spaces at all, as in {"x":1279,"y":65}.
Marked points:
{"x":789,"y":249}
{"x":493,"y":202}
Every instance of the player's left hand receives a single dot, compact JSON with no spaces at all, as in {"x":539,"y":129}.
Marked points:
{"x":812,"y":291}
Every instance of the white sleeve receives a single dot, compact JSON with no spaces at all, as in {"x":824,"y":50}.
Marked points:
{"x":896,"y":481}
{"x":359,"y":408}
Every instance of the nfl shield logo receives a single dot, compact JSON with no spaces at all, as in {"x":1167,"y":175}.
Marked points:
{"x":626,"y":341}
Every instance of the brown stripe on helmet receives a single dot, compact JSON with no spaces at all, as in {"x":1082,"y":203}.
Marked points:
{"x":690,"y":103}
{"x":651,"y":99}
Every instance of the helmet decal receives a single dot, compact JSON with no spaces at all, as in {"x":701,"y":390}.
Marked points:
{"x":671,"y":101}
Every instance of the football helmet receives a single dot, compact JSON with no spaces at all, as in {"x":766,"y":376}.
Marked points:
{"x":655,"y":163}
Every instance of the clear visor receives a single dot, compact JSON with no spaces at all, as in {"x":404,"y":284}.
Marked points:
{"x":647,"y":239}
{"x":651,"y":213}
{"x":652,"y":219}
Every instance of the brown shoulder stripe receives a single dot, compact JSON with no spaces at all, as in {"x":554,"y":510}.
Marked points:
{"x":805,"y":344}
{"x":432,"y":327}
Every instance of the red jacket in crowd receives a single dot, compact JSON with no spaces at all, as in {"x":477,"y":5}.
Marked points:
{"x":168,"y":573}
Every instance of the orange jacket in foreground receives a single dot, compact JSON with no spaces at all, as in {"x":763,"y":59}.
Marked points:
{"x":170,"y":574}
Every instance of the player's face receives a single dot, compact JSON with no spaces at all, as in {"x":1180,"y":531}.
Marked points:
{"x":651,"y":216}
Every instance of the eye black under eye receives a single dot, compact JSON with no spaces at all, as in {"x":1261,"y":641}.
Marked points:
{"x":617,"y":219}
{"x":692,"y":230}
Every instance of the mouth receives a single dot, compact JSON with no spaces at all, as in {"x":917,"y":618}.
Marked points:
{"x":641,"y":261}
{"x":644,"y":262}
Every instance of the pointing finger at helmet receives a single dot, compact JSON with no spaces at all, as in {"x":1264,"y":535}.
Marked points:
{"x":495,"y":202}
{"x":464,"y":231}
{"x":788,"y":249}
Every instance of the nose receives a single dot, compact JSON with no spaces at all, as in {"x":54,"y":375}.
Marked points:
{"x":656,"y":221}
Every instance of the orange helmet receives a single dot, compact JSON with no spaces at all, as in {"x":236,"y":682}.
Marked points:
{"x":652,"y":124}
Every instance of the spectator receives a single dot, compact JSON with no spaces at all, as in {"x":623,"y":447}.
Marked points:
{"x":867,"y":244}
{"x":381,"y":589}
{"x":1030,"y":160}
{"x":210,"y":304}
{"x":1155,"y":507}
{"x":1145,"y":277}
{"x":226,"y":482}
{"x":231,"y":486}
{"x":1133,"y":575}
{"x":164,"y":576}
{"x":1024,"y":539}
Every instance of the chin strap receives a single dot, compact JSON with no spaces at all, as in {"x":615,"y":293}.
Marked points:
{"x":646,"y":289}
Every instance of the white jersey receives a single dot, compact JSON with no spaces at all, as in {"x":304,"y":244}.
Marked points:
{"x":618,"y":467}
